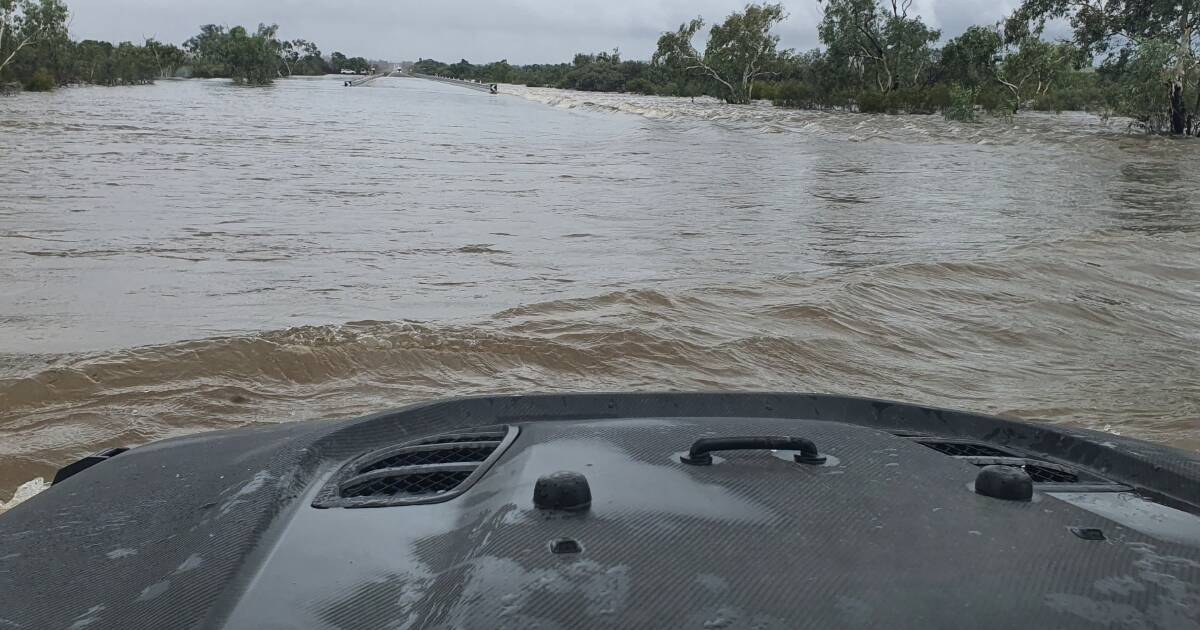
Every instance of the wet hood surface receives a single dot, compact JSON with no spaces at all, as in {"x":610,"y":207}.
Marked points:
{"x":220,"y":530}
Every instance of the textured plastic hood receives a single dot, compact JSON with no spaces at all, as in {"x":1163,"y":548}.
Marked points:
{"x":219,"y":530}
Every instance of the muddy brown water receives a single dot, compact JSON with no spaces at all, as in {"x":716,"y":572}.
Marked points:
{"x":193,"y":256}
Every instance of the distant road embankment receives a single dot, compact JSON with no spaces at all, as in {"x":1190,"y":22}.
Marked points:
{"x":474,"y":85}
{"x":364,"y":80}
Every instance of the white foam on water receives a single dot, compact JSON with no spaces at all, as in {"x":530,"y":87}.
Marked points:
{"x":1026,"y":127}
{"x":26,"y":491}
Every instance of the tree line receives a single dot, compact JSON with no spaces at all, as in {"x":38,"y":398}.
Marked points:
{"x":37,"y":53}
{"x":261,"y":56}
{"x":1136,"y":58}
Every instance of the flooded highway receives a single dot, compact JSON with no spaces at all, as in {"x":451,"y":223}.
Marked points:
{"x":192,"y":256}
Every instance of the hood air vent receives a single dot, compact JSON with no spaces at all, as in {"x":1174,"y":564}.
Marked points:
{"x":964,"y":449}
{"x":1041,"y":471}
{"x":429,"y":470}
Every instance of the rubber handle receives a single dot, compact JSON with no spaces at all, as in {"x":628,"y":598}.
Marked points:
{"x":700,"y":452}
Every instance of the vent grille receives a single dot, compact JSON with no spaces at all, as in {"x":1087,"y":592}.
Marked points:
{"x":1040,"y":471}
{"x":416,"y":484}
{"x":1042,"y":474}
{"x":965,"y":449}
{"x":440,"y":456}
{"x":429,"y":470}
{"x":459,"y":439}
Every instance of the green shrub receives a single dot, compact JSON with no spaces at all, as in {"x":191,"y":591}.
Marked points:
{"x":994,"y":101}
{"x":1080,"y":92}
{"x":937,"y":98}
{"x":962,"y":105}
{"x":843,"y":98}
{"x":1049,"y":102}
{"x":871,"y":102}
{"x":908,"y":100}
{"x":41,"y":81}
{"x":766,"y":91}
{"x":791,"y":94}
{"x":914,"y":100}
{"x":640,"y":86}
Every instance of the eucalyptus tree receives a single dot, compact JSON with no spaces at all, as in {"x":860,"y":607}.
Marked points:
{"x":878,"y":41}
{"x":26,"y":23}
{"x":1157,"y":39}
{"x":738,"y":51}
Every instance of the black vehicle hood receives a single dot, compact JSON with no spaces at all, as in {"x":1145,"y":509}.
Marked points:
{"x":219,"y":530}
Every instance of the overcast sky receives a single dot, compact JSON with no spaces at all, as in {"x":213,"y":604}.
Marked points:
{"x":523,"y":31}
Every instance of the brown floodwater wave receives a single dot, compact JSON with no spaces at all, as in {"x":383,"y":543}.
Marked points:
{"x":193,"y":257}
{"x":1094,"y":342}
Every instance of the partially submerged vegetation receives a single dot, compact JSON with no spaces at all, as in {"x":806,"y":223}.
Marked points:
{"x":1137,"y":58}
{"x":37,"y":53}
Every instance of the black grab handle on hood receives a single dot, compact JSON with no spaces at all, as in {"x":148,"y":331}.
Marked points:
{"x":699,"y":453}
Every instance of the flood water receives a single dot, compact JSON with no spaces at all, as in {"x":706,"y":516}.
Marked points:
{"x":193,"y":256}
